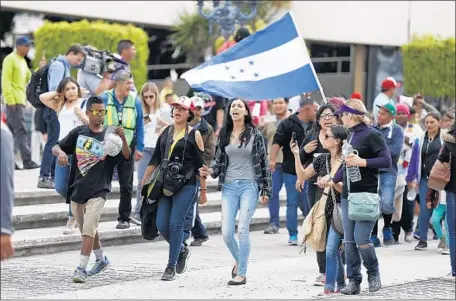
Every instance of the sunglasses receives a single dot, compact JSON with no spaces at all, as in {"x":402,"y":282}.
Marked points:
{"x":328,"y":136}
{"x":149,"y":96}
{"x":98,"y":112}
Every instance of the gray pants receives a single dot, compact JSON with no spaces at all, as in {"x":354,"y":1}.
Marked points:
{"x":16,"y":122}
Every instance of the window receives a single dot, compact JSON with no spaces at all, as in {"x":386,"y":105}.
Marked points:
{"x":330,"y":57}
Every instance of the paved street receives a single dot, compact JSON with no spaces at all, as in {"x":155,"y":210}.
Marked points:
{"x":276,"y":270}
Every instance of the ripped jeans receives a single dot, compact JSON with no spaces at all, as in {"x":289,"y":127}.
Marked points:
{"x":242,"y":196}
{"x":358,"y":246}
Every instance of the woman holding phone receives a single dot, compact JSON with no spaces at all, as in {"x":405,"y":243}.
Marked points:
{"x":311,"y":148}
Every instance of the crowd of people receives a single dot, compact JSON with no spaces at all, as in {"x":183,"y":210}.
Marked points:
{"x":326,"y":155}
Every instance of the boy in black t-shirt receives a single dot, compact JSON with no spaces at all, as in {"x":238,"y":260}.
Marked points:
{"x":89,"y":181}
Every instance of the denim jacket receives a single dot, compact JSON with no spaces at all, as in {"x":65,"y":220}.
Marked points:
{"x":260,"y":164}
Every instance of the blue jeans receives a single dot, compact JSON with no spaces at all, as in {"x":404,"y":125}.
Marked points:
{"x":274,"y":202}
{"x":242,"y":196}
{"x":142,"y":165}
{"x":425,"y":213}
{"x":294,"y":200}
{"x":451,"y":220}
{"x":334,"y":266}
{"x":171,"y":213}
{"x":61,"y":181}
{"x":387,"y":191}
{"x":358,"y":234}
{"x":53,"y":130}
{"x":193,"y":222}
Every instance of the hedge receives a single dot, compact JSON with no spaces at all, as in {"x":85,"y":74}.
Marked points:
{"x":55,"y":38}
{"x":430,"y":66}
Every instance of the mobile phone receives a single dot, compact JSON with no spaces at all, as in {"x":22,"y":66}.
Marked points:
{"x":293,"y":136}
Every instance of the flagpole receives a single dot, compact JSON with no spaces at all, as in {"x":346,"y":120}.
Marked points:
{"x":307,"y":53}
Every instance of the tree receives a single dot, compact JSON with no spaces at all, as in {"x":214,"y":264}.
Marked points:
{"x":430,"y":66}
{"x":192,"y":30}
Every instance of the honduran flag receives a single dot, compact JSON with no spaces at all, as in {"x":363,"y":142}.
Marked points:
{"x":269,"y":64}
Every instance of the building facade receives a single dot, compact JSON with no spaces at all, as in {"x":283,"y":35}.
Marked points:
{"x":353,"y":44}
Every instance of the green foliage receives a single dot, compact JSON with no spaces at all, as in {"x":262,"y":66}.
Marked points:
{"x":430,"y":66}
{"x":192,"y":30}
{"x":55,"y":38}
{"x":192,"y":36}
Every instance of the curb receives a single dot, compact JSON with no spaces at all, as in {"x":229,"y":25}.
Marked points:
{"x":114,"y":238}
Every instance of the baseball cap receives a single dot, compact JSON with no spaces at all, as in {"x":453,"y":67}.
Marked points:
{"x":23,"y":41}
{"x":185,"y":102}
{"x":389,"y":83}
{"x":198,"y":102}
{"x":390,"y":107}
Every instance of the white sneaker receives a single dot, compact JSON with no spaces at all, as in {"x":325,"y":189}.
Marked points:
{"x":446,"y":251}
{"x":70,"y":225}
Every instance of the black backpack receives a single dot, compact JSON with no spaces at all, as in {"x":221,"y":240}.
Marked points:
{"x":38,"y":85}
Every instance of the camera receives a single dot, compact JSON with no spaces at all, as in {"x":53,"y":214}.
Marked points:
{"x":174,"y":168}
{"x":100,"y":61}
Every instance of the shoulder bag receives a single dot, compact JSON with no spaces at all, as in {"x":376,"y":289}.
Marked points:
{"x":440,"y":174}
{"x":336,"y":221}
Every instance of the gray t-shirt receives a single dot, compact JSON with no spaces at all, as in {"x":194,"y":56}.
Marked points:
{"x":240,"y":166}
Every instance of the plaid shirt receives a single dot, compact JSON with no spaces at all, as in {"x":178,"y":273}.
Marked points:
{"x":260,"y":165}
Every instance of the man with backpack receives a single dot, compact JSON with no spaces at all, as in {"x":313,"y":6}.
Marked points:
{"x":15,"y":76}
{"x":50,"y":76}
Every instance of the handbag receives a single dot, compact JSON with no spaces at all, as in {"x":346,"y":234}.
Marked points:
{"x":440,"y":175}
{"x":336,"y":221}
{"x":362,"y":206}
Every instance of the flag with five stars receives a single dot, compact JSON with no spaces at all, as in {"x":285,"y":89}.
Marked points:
{"x":269,"y":64}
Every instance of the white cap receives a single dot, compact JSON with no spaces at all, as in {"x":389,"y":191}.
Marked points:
{"x":185,"y":102}
{"x":198,"y":102}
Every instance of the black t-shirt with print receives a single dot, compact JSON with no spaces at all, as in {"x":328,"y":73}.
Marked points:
{"x":91,"y":172}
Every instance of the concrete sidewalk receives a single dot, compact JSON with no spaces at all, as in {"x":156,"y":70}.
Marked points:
{"x":276,"y":271}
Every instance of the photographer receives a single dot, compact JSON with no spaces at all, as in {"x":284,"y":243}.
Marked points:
{"x":92,"y":82}
{"x":180,"y":166}
{"x":124,"y":108}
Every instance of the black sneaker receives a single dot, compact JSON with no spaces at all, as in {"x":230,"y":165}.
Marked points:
{"x":421,"y":246}
{"x":182,"y":261}
{"x":123,"y":225}
{"x":374,"y":284}
{"x":197,"y":242}
{"x":169,"y":274}
{"x":45,"y":183}
{"x":353,"y":288}
{"x":31,"y":165}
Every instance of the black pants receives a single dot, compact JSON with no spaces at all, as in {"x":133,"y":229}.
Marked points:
{"x":406,"y":222}
{"x":125,"y":170}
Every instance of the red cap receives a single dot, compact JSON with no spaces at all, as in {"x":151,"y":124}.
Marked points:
{"x":389,"y":83}
{"x":356,"y":95}
{"x":185,"y":102}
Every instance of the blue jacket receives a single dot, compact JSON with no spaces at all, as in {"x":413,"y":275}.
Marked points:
{"x":139,"y":131}
{"x":394,"y":141}
{"x":58,"y":70}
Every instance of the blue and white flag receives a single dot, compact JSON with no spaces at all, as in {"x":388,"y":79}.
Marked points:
{"x":269,"y":64}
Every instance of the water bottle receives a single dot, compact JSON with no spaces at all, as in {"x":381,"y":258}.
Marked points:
{"x":411,"y":194}
{"x":353,"y":172}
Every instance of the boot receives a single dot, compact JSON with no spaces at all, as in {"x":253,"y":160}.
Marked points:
{"x":353,"y":288}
